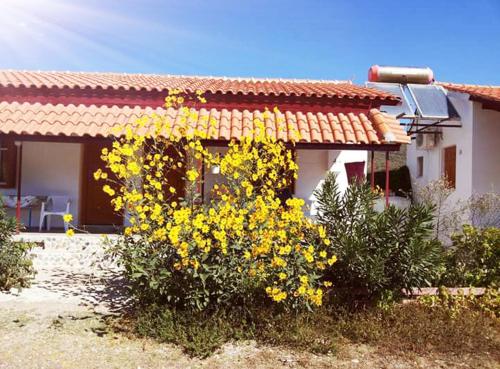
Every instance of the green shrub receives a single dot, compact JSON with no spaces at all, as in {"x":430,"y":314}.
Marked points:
{"x":16,"y":267}
{"x":474,"y":258}
{"x":379,"y":254}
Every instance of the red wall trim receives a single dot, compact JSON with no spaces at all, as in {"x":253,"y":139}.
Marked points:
{"x":217,"y":143}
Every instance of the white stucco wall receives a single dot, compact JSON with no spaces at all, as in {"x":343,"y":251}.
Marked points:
{"x":486,"y":150}
{"x":313,"y":167}
{"x":50,"y":168}
{"x":433,"y":167}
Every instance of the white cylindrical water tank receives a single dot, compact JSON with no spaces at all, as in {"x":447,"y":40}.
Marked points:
{"x":378,"y":73}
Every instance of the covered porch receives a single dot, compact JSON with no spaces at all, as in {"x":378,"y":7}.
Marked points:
{"x":52,"y":150}
{"x":55,"y":167}
{"x":47,"y":166}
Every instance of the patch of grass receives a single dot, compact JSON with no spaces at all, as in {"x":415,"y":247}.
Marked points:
{"x":199,"y":334}
{"x":413,"y":327}
{"x":418,"y":328}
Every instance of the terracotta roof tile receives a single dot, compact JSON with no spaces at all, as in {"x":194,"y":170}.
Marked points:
{"x":224,"y":85}
{"x":489,"y":93}
{"x":81,"y":120}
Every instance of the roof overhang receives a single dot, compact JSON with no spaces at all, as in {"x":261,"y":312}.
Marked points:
{"x":348,"y":131}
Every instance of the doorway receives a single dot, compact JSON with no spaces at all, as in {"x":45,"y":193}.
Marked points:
{"x":96,"y":208}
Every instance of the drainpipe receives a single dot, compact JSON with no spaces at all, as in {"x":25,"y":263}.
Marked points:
{"x":19,"y":148}
{"x":372,"y":170}
{"x":387,"y":162}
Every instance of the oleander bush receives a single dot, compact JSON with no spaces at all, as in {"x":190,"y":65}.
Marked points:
{"x":474,"y":258}
{"x":243,"y":244}
{"x":16,"y":267}
{"x":380,"y":254}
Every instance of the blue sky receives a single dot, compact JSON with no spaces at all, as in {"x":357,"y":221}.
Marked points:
{"x":320,"y":39}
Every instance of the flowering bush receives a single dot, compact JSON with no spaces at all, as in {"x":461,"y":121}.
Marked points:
{"x":242,"y":242}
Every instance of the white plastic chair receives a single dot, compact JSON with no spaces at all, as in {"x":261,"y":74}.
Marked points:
{"x":55,"y":205}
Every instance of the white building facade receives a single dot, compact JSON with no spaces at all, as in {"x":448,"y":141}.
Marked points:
{"x":468,"y":155}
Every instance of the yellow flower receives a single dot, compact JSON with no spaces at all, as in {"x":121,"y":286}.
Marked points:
{"x":192,"y":175}
{"x":282,"y":276}
{"x":67,"y":218}
{"x":332,"y":260}
{"x":70,"y":232}
{"x":97,"y":174}
{"x":327,"y":283}
{"x":107,"y":189}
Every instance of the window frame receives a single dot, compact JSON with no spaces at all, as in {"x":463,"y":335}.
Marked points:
{"x":420,"y":166}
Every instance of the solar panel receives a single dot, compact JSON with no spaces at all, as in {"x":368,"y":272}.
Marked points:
{"x":431,"y":102}
{"x":406,"y":108}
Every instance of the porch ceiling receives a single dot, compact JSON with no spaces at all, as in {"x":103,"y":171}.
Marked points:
{"x":376,"y":128}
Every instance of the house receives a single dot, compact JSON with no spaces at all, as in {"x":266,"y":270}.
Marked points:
{"x":53,"y":126}
{"x":468,"y":155}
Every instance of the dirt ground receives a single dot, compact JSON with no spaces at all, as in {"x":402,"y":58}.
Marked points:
{"x":60,"y":322}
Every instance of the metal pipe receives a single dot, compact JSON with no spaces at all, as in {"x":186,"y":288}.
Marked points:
{"x":202,"y":184}
{"x":19,"y":147}
{"x":372,"y":171}
{"x":387,"y":179}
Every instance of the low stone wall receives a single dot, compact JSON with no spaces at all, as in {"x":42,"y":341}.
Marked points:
{"x":82,"y":253}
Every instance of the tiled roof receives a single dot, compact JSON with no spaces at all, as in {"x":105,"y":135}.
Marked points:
{"x":224,"y":85}
{"x":94,"y":121}
{"x":489,"y":93}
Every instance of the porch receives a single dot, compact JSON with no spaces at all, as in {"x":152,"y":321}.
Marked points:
{"x":63,"y":166}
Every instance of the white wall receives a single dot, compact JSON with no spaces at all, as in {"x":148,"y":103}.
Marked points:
{"x":50,"y":168}
{"x":434,"y":158}
{"x":313,"y":167}
{"x":486,"y":150}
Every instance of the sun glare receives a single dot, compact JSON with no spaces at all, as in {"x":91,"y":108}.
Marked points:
{"x":41,"y":29}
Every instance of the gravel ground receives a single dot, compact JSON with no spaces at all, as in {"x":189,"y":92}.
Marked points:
{"x":60,"y":322}
{"x":72,"y":275}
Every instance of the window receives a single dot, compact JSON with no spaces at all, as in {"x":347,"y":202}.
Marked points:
{"x":420,"y":166}
{"x":450,"y":165}
{"x":7,"y":163}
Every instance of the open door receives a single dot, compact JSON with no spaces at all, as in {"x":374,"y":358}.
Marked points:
{"x":96,"y":208}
